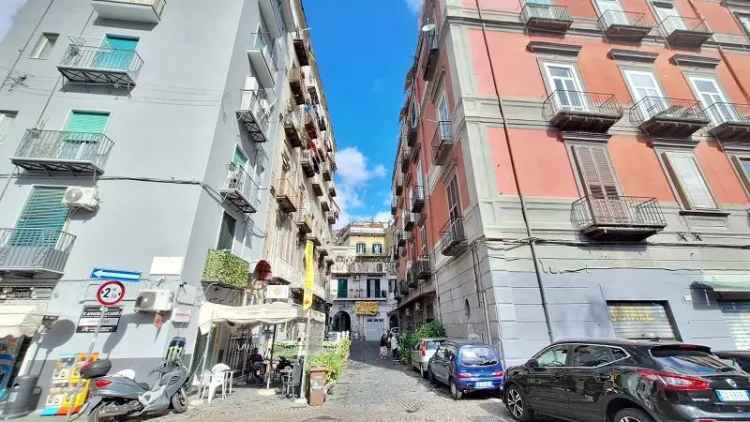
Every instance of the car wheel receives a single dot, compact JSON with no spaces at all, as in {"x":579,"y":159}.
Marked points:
{"x":516,"y":404}
{"x":632,"y":415}
{"x":455,"y":392}
{"x":421,"y":370}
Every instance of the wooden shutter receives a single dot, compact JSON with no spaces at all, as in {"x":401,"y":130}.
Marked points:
{"x":691,"y":186}
{"x":42,"y":218}
{"x":600,"y":184}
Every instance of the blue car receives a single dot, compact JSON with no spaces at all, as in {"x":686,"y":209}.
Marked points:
{"x":466,"y":366}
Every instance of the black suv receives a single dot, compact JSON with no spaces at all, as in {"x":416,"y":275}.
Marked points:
{"x":627,"y":381}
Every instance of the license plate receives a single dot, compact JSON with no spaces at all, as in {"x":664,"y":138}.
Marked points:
{"x":733,"y":395}
{"x":484,"y":384}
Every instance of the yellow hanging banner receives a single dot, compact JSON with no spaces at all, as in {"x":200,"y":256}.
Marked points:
{"x":307,"y":299}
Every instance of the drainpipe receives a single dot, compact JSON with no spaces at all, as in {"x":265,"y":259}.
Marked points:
{"x":522,"y":200}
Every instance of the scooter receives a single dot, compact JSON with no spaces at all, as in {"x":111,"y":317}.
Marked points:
{"x":118,"y":397}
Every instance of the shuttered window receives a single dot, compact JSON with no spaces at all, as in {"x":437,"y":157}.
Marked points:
{"x":84,"y":121}
{"x":641,"y":320}
{"x":687,"y":178}
{"x":117,"y":53}
{"x":737,"y":317}
{"x":595,"y":171}
{"x":42,"y":218}
{"x":342,"y":288}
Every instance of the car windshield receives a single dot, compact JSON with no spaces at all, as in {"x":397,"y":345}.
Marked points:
{"x":690,"y":362}
{"x":478,"y":355}
{"x":433,"y":344}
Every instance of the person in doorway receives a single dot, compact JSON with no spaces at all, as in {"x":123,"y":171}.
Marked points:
{"x":384,"y":346}
{"x":256,"y":363}
{"x":394,"y":347}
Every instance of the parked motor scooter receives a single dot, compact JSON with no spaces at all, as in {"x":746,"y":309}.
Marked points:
{"x":118,"y":397}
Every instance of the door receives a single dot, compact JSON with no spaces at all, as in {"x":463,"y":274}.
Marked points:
{"x":42,"y":219}
{"x":454,"y":210}
{"x":542,"y":9}
{"x":82,"y":132}
{"x":612,"y":12}
{"x":737,"y":317}
{"x":669,"y":17}
{"x":545,"y":390}
{"x":713,"y":100}
{"x":564,"y":81}
{"x":598,"y":177}
{"x":375,"y":328}
{"x":444,"y":118}
{"x":589,"y":378}
{"x":646,"y":93}
{"x":440,"y":363}
{"x":116,"y":53}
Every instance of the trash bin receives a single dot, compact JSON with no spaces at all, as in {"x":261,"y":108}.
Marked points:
{"x":317,"y":386}
{"x":23,"y":397}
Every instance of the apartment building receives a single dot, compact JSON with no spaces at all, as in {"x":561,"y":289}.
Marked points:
{"x":141,"y":141}
{"x":363,"y":282}
{"x":579,"y":169}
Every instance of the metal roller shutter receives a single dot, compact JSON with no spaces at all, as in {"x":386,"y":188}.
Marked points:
{"x":737,"y":316}
{"x":641,"y":320}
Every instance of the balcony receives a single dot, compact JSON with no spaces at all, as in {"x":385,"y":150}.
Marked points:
{"x":324,"y":205}
{"x":312,"y":89}
{"x":404,"y":159}
{"x":304,"y":221}
{"x":582,"y":111}
{"x":100,"y":65}
{"x":62,"y":151}
{"x":306,"y":161}
{"x":729,"y":122}
{"x":293,"y":127}
{"x":317,"y":186}
{"x":313,"y":237}
{"x":326,"y":172}
{"x":310,"y":120}
{"x":240,"y":189}
{"x":415,"y":151}
{"x":417,"y":199}
{"x":685,"y":32}
{"x":453,"y":240}
{"x":668,"y":117}
{"x":301,"y":47}
{"x":261,"y":55}
{"x":543,"y":17}
{"x":431,"y":48}
{"x":442,"y":142}
{"x":331,"y":217}
{"x":394,"y":204}
{"x":622,"y":218}
{"x":225,"y":268}
{"x":409,"y":220}
{"x":255,"y":113}
{"x":286,"y":195}
{"x":422,"y":268}
{"x":409,"y":132}
{"x":34,"y":252}
{"x":322,"y":123}
{"x":297,"y":85}
{"x":411,"y":279}
{"x":146,"y":11}
{"x":399,"y":184}
{"x":331,"y":189}
{"x":400,"y":239}
{"x":626,"y":26}
{"x":322,"y":251}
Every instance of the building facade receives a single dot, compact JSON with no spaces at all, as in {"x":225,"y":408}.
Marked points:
{"x":363,"y":283}
{"x":140,"y":139}
{"x":579,"y":169}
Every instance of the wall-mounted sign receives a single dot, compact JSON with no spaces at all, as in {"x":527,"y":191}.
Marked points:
{"x":110,"y":293}
{"x":90,"y":318}
{"x":277,"y":291}
{"x":109,"y":274}
{"x":367,"y":308}
{"x":182,"y":315}
{"x":25,"y":293}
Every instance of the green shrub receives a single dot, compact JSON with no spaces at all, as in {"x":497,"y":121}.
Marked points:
{"x":332,"y":359}
{"x":431,"y":329}
{"x":226,"y":268}
{"x":409,"y":339}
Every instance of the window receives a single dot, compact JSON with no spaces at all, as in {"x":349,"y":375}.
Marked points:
{"x":77,"y":142}
{"x":342,"y":290}
{"x":226,"y":232}
{"x":44,"y":45}
{"x":42,"y":218}
{"x":668,"y":16}
{"x":392,"y":285}
{"x":423,"y":240}
{"x":591,"y":356}
{"x":712,"y":99}
{"x":377,"y":248}
{"x":688,"y":180}
{"x":239,"y":158}
{"x":454,"y":203}
{"x":743,"y":167}
{"x":596,"y":172}
{"x":6,"y":124}
{"x":641,"y":321}
{"x":564,"y":81}
{"x":745,"y":21}
{"x":554,"y":357}
{"x":647,"y":94}
{"x":611,"y":11}
{"x":373,"y":287}
{"x":361,"y":248}
{"x":118,"y":53}
{"x":444,"y":117}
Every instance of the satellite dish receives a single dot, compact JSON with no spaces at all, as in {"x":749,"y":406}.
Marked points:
{"x":428,"y":28}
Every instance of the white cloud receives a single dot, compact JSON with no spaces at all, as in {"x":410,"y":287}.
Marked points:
{"x":8,"y":11}
{"x":383,"y":217}
{"x":415,"y":5}
{"x":354,"y":175}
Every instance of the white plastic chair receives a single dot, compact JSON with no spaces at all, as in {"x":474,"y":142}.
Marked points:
{"x":213,"y":380}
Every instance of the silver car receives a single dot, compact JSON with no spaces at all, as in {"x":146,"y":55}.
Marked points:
{"x":422,"y":352}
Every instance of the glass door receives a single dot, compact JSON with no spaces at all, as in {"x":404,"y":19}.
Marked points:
{"x":612,"y":12}
{"x":713,"y":100}
{"x":568,"y":92}
{"x":646,"y":93}
{"x":669,"y":17}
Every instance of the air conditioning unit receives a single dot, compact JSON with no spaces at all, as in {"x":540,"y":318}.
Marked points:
{"x":78,"y":197}
{"x":154,"y":300}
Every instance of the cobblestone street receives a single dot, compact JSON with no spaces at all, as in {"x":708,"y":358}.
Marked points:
{"x":371,"y":390}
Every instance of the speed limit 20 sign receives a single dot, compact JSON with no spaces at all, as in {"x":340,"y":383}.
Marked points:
{"x":110,"y":293}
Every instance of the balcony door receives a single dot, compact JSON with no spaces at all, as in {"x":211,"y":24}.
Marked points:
{"x":42,"y":218}
{"x":713,"y":100}
{"x":669,"y":17}
{"x":564,"y":82}
{"x":646,"y":93}
{"x":82,"y":132}
{"x":454,"y":209}
{"x":444,"y":118}
{"x":612,"y":12}
{"x":600,"y":184}
{"x":116,"y":53}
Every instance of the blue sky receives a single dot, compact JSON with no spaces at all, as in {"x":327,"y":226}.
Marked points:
{"x":364,"y":49}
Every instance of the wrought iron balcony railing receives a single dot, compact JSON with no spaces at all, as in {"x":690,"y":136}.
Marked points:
{"x":662,"y":116}
{"x":307,"y":163}
{"x":255,"y":113}
{"x":623,"y":24}
{"x":262,"y":55}
{"x":148,"y":11}
{"x":622,"y":217}
{"x":422,"y":268}
{"x":100,"y":65}
{"x":452,"y":237}
{"x":287,"y":195}
{"x":34,"y":251}
{"x":546,"y":17}
{"x":240,"y":189}
{"x":293,"y":127}
{"x":301,"y":47}
{"x":304,"y":220}
{"x":417,"y":198}
{"x":582,"y":111}
{"x":442,"y":142}
{"x":431,"y":46}
{"x":56,"y":150}
{"x":685,"y":31}
{"x":729,"y":122}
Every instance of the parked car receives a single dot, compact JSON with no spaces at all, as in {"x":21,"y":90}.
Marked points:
{"x":422,"y":352}
{"x":738,"y":358}
{"x":627,"y":381}
{"x":466,"y":366}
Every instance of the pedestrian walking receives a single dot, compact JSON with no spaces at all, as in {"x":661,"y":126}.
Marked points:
{"x":384,"y":346}
{"x":394,"y":347}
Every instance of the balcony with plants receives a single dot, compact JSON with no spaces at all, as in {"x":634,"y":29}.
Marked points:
{"x":224,"y":268}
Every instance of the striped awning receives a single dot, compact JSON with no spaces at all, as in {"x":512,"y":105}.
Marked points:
{"x":727,"y":282}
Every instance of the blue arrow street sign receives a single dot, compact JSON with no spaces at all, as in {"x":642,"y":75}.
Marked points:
{"x":108,"y":274}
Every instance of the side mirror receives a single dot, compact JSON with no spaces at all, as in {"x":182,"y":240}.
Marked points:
{"x":532,"y":364}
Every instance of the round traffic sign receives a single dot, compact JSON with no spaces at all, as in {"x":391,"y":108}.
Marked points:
{"x":110,"y":293}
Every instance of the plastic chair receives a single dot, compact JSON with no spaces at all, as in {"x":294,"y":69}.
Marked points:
{"x":213,"y":380}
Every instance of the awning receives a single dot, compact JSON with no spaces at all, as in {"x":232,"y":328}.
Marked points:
{"x":269,"y":313}
{"x":727,"y":282}
{"x":20,"y":319}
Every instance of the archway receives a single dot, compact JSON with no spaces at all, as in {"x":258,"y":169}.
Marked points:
{"x":341,"y":322}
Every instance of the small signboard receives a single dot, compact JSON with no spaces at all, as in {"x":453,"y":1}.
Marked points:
{"x":182,"y":315}
{"x":90,"y":318}
{"x":109,"y":274}
{"x":110,"y":293}
{"x":277,"y":292}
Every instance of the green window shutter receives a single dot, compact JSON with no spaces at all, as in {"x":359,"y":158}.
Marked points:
{"x":117,"y":53}
{"x":342,"y":288}
{"x":239,"y":159}
{"x":42,"y":218}
{"x":80,"y":121}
